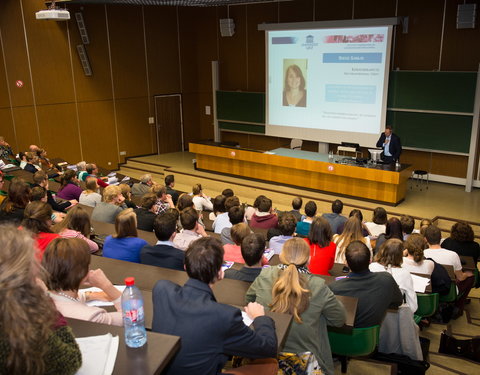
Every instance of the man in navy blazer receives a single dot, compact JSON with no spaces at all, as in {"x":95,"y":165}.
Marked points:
{"x":392,"y":147}
{"x":164,"y":254}
{"x":209,"y":331}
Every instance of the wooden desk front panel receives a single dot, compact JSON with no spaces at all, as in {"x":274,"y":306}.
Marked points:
{"x":362,"y":182}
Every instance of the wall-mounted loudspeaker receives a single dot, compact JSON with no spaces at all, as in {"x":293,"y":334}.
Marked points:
{"x":227,"y":27}
{"x":466,"y":16}
{"x":82,"y":28}
{"x":82,"y":54}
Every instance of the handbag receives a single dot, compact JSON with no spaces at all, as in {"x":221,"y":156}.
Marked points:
{"x":469,"y":348}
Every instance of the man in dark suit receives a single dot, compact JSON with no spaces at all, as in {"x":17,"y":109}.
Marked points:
{"x":209,"y":331}
{"x":390,"y":142}
{"x":164,"y":254}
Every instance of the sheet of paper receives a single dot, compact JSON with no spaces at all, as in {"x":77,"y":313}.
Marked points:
{"x":100,"y":303}
{"x":98,"y":354}
{"x":246,"y":319}
{"x":226,"y":265}
{"x":112,"y":180}
{"x":111,"y":174}
{"x":269,"y":253}
{"x":420,"y":283}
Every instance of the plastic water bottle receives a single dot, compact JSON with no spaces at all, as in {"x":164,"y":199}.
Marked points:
{"x":133,"y":315}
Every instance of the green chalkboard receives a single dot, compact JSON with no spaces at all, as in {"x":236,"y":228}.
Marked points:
{"x":241,"y":106}
{"x":409,"y":92}
{"x":436,"y":91}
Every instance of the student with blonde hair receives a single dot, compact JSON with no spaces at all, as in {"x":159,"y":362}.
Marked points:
{"x":200,"y":200}
{"x":111,"y":206}
{"x":34,"y":338}
{"x":291,"y":288}
{"x":125,"y":244}
{"x":90,"y":196}
{"x":351,"y":232}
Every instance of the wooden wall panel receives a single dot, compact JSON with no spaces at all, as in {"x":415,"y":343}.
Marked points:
{"x":49,"y":57}
{"x":25,"y":127}
{"x":419,"y":49}
{"x":441,"y":164}
{"x":7,"y":129}
{"x":4,"y":98}
{"x":99,"y":85}
{"x":59,"y":140}
{"x":162,"y":50}
{"x":97,"y":128}
{"x":133,"y":127}
{"x":374,"y":9}
{"x":461,"y":46}
{"x":127,"y":50}
{"x":16,"y":53}
{"x":191,"y":117}
{"x":296,"y":11}
{"x":233,"y":51}
{"x":257,"y":14}
{"x":333,"y":10}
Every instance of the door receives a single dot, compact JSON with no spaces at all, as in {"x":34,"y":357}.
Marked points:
{"x":169,"y":123}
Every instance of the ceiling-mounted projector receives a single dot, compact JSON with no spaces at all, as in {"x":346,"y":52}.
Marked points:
{"x":53,"y":14}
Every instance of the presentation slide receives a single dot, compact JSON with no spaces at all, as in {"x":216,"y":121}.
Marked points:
{"x":328,"y":85}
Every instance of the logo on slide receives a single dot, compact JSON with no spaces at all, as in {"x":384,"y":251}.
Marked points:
{"x":309,"y":43}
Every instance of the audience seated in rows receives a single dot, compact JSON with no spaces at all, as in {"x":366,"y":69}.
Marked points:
{"x":92,"y":171}
{"x":191,"y":231}
{"x":40,"y":178}
{"x":357,"y":213}
{"x":233,"y":253}
{"x":414,"y":259}
{"x":146,"y":212}
{"x":5,"y":149}
{"x":264,"y":216}
{"x":297,"y":203}
{"x":378,"y":224}
{"x":170,"y":184}
{"x":69,"y":188}
{"x":393,"y":229}
{"x":76,"y":224}
{"x":222,"y":221}
{"x":291,"y":288}
{"x":252,"y":248}
{"x":2,"y":196}
{"x":13,"y":206}
{"x":201,"y":201}
{"x":125,"y":244}
{"x":164,"y":201}
{"x":111,"y":206}
{"x":90,"y":196}
{"x":408,"y":225}
{"x":227,"y":193}
{"x":322,"y":249}
{"x":32,"y":162}
{"x":35,"y":337}
{"x":126,"y":192}
{"x":461,"y":241}
{"x":351,"y":232}
{"x":376,"y":291}
{"x":164,"y":253}
{"x":286,"y":225}
{"x":464,"y":279}
{"x":335,"y":218}
{"x":142,"y":187}
{"x":37,"y":218}
{"x":236,"y":215}
{"x":389,"y":259}
{"x":250,"y":210}
{"x":82,"y":170}
{"x":218,"y":208}
{"x":303,"y":227}
{"x":67,"y":262}
{"x":209,"y":331}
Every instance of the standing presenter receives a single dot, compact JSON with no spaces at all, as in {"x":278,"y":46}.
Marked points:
{"x":390,"y":142}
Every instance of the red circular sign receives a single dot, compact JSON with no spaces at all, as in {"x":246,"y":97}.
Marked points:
{"x":19,"y":83}
{"x":330,"y":168}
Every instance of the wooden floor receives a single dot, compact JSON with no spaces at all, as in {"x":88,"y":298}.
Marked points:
{"x":438,"y":200}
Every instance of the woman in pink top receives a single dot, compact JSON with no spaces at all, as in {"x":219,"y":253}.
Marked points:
{"x":233,"y":253}
{"x":76,"y":225}
{"x":67,"y":262}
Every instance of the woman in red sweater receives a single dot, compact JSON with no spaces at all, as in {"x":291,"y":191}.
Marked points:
{"x":322,"y":249}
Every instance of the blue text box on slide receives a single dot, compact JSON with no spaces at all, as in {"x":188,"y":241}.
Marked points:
{"x":364,"y":94}
{"x":353,"y":58}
